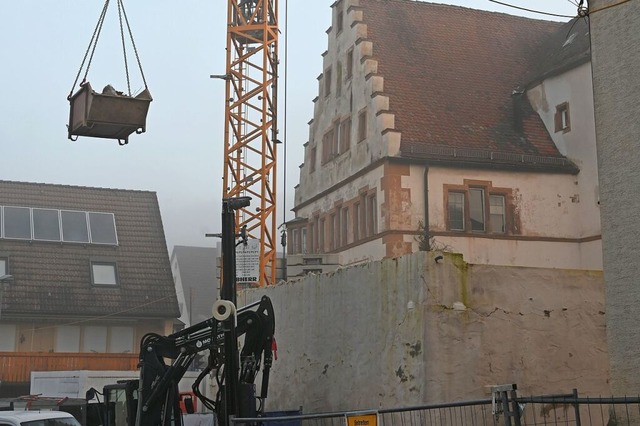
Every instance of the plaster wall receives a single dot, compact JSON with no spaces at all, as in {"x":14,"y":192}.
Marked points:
{"x":615,"y":47}
{"x":348,"y":191}
{"x":544,"y":254}
{"x":408,"y":331}
{"x":547,"y":205}
{"x":557,"y":227}
{"x":362,"y":92}
{"x":578,"y":144}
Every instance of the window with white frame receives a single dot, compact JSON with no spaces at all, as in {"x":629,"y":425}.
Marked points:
{"x":94,"y":339}
{"x":103,"y":228}
{"x":335,"y":233}
{"x":562,"y":118}
{"x":4,"y":266}
{"x":303,"y":240}
{"x":67,"y":338}
{"x":17,"y":223}
{"x":344,"y":223}
{"x":74,"y":226}
{"x":7,"y":337}
{"x":356,"y":222}
{"x":456,"y":211}
{"x":477,"y":209}
{"x":44,"y":224}
{"x":104,"y":273}
{"x":372,"y":215}
{"x":321,"y":235}
{"x":121,"y":339}
{"x":497,"y":214}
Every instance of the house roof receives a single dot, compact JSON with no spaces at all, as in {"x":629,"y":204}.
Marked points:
{"x":450,"y":73}
{"x":565,"y":48}
{"x":54,"y":278}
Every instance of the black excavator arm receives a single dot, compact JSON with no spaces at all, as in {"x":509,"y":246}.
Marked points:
{"x":158,"y":394}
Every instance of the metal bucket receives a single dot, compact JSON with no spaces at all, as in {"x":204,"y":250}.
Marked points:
{"x":107,"y":115}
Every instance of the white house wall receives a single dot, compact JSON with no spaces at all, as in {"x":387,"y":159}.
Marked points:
{"x":554,"y":226}
{"x":547,"y":204}
{"x":579,"y":144}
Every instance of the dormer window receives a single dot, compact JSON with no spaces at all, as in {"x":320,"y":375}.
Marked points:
{"x":563,"y":118}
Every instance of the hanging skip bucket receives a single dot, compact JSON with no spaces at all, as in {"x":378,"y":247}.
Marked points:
{"x":111,"y":116}
{"x":108,"y":114}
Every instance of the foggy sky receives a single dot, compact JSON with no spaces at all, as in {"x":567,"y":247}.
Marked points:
{"x":180,"y":44}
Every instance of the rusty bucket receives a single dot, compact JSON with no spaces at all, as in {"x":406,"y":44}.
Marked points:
{"x":109,"y":115}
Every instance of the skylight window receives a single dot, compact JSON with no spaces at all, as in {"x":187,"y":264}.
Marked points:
{"x":71,"y":226}
{"x":17,"y":223}
{"x":103,"y":228}
{"x":46,"y":225}
{"x":74,"y":226}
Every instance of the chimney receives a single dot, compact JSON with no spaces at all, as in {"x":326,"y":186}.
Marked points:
{"x":518,"y":108}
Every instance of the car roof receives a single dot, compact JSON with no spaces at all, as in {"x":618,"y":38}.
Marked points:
{"x":27,"y":416}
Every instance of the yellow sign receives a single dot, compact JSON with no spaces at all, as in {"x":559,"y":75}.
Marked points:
{"x":362,"y":420}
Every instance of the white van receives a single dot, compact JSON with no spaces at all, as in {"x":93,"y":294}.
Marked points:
{"x":37,"y":418}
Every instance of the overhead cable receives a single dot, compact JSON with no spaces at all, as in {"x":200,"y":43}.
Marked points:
{"x":531,"y":10}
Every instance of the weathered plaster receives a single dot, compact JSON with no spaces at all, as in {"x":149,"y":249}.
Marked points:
{"x":615,"y":47}
{"x":408,"y":331}
{"x":579,"y":144}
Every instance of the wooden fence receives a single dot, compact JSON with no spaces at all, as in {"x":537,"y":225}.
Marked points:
{"x":16,"y":367}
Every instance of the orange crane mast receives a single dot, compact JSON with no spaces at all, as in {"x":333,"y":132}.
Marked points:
{"x":251,"y":123}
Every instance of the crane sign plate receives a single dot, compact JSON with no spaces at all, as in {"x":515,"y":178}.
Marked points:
{"x":248,"y":262}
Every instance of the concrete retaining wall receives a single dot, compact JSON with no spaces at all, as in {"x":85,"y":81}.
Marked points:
{"x":412,"y":330}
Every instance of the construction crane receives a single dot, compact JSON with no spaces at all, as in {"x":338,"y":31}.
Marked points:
{"x":251,"y":123}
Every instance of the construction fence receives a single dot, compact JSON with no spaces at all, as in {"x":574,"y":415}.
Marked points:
{"x":504,"y":408}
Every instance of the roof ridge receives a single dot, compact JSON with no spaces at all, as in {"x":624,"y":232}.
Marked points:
{"x":455,"y":6}
{"x":4,"y":181}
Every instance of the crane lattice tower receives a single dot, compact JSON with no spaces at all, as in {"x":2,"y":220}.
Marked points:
{"x":251,"y":122}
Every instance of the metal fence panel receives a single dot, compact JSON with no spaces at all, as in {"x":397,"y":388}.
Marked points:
{"x":551,"y":410}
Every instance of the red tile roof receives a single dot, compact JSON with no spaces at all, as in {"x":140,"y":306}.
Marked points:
{"x":450,"y":72}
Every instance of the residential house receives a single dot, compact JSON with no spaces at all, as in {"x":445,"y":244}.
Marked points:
{"x":452,"y":128}
{"x":89,"y":276}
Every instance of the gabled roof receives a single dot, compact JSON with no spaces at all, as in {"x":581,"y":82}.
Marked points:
{"x":565,"y":48}
{"x":54,"y":278}
{"x":450,"y":73}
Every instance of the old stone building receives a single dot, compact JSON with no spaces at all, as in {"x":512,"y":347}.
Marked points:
{"x":467,"y":129}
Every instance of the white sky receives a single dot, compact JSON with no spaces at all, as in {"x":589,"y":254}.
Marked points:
{"x":181,"y":42}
